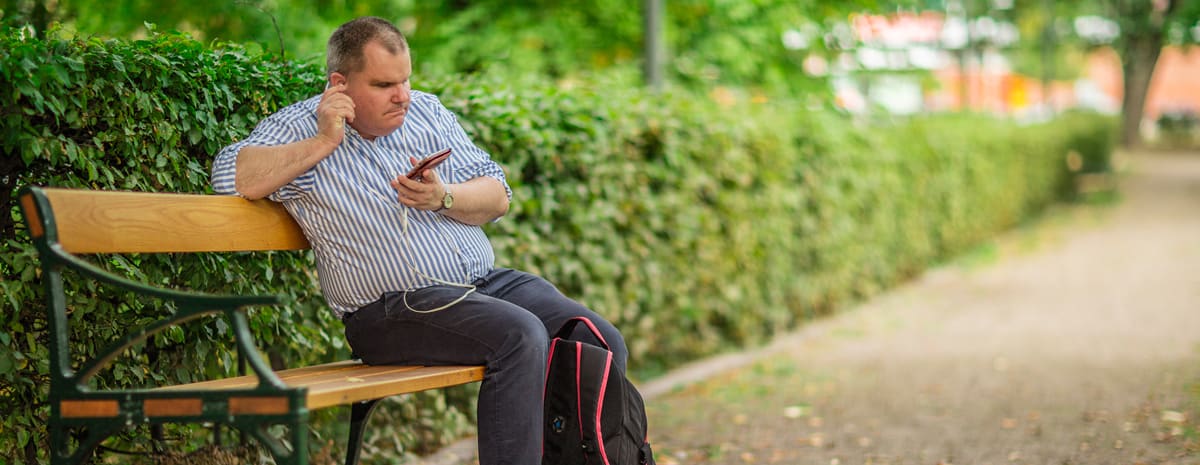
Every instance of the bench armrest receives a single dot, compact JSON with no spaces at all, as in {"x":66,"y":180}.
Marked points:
{"x":191,"y":305}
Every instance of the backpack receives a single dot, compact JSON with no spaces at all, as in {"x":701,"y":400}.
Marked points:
{"x":593,"y":414}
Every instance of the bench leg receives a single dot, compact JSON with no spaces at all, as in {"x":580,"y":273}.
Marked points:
{"x":295,"y":453}
{"x":60,"y":442}
{"x":359,"y":413}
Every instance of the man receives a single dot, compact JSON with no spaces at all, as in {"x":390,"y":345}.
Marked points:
{"x":403,"y":261}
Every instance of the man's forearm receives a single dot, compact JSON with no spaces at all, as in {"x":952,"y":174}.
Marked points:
{"x":262,"y":170}
{"x":478,"y":201}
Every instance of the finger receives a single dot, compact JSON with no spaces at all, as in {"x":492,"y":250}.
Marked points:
{"x":401,"y":193}
{"x":334,"y":97}
{"x":404,"y":182}
{"x":431,"y":177}
{"x":334,"y":89}
{"x":332,"y":113}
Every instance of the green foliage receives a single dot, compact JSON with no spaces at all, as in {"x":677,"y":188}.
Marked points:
{"x":735,"y":42}
{"x":297,"y":27}
{"x":1178,"y":129}
{"x":696,"y":227}
{"x":727,"y":42}
{"x":1093,"y":137}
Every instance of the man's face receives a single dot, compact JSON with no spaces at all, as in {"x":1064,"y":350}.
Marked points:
{"x":380,"y":91}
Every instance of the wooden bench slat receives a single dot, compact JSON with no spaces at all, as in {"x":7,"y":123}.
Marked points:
{"x":414,"y":381}
{"x":288,"y":376}
{"x":119,"y":222}
{"x":99,"y":408}
{"x":366,"y":372}
{"x":340,"y":383}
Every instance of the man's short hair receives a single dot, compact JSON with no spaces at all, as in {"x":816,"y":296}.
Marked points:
{"x":344,"y":53}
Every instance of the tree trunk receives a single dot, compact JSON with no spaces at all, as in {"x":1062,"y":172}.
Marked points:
{"x":40,"y":18}
{"x":1047,"y":51}
{"x":1138,"y":58}
{"x":1143,"y":25}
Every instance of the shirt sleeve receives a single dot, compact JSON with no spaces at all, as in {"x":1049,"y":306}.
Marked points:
{"x":278,"y":129}
{"x":477,"y":162}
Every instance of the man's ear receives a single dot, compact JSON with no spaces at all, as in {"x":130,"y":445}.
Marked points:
{"x":336,"y":78}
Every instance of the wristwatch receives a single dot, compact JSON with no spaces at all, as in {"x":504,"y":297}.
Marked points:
{"x":447,"y":201}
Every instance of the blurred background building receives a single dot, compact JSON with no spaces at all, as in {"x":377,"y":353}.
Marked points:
{"x":906,"y":63}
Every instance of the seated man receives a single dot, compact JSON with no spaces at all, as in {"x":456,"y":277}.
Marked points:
{"x":403,"y":262}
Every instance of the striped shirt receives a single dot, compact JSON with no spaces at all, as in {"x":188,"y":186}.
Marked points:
{"x":350,"y":214}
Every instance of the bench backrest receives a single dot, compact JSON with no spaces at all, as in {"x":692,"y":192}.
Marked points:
{"x":64,"y":223}
{"x":87,"y":221}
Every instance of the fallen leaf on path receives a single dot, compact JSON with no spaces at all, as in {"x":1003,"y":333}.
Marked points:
{"x":795,"y":411}
{"x":1172,"y":416}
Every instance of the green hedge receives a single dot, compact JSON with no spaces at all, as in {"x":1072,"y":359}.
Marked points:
{"x":697,"y":228}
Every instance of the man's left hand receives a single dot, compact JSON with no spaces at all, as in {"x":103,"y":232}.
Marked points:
{"x":425,"y":194}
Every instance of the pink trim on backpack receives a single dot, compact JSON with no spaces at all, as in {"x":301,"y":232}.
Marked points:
{"x":578,"y":395}
{"x":595,"y":331}
{"x":553,"y":345}
{"x":600,"y":406}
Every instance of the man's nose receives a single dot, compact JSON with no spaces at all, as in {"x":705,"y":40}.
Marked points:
{"x":402,"y":94}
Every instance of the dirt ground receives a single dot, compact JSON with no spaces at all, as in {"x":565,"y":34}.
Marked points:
{"x":1075,"y":340}
{"x":1072,"y":341}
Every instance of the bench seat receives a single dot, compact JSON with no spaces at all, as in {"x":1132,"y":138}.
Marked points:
{"x":346,"y":382}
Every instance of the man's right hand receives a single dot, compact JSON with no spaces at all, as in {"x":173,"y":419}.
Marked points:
{"x":333,"y":113}
{"x":263,"y":169}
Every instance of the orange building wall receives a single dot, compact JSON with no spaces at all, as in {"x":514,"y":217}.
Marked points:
{"x":1175,"y":86}
{"x":1176,"y":82}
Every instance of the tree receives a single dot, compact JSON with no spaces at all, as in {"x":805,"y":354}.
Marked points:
{"x":1146,"y":26}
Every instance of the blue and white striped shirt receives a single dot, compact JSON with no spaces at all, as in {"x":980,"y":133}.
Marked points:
{"x":351,"y":216}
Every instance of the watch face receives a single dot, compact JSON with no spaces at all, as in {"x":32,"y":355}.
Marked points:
{"x":448,"y":200}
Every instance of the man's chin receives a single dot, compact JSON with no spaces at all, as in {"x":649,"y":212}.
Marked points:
{"x":396,"y":119}
{"x":379,"y":131}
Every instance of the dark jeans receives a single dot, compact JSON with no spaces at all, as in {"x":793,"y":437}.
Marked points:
{"x":504,"y":325}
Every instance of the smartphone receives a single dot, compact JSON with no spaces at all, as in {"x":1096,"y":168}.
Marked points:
{"x":429,"y":162}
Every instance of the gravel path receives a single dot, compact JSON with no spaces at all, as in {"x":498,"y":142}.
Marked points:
{"x":1077,"y":341}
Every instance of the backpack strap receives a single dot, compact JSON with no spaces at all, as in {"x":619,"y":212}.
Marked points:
{"x":565,"y":331}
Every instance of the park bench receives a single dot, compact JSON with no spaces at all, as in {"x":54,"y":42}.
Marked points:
{"x":65,"y":223}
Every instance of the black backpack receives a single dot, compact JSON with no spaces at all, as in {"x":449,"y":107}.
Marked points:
{"x":593,"y":414}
